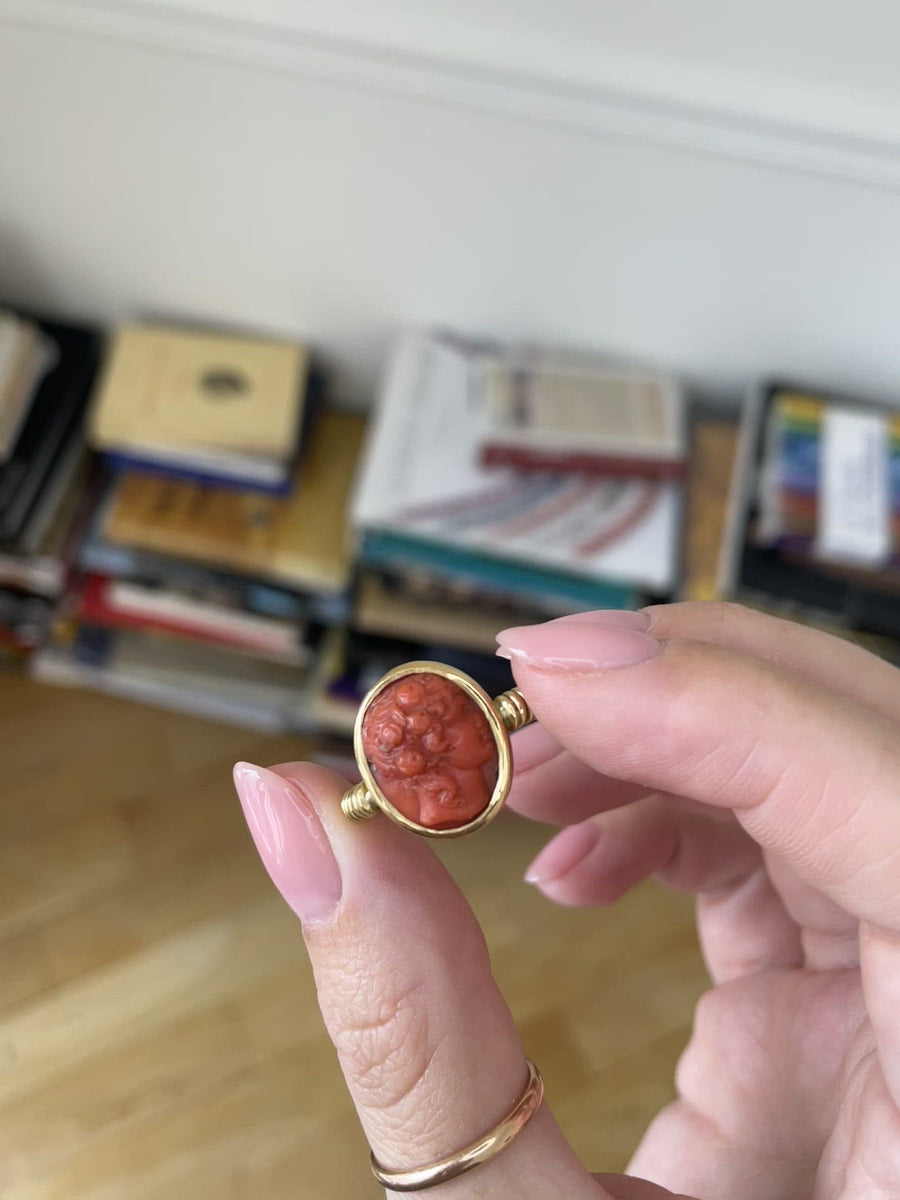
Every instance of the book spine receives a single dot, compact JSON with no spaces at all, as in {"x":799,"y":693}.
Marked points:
{"x":128,"y":462}
{"x":495,"y":454}
{"x":383,"y":549}
{"x":94,"y":607}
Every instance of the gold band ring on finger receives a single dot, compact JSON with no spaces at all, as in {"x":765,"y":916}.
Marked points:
{"x":434,"y":751}
{"x":482,"y":1151}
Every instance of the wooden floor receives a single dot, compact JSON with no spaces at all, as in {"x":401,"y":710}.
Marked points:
{"x":159,"y":1031}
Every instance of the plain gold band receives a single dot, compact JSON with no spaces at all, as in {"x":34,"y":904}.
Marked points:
{"x":495,"y":1140}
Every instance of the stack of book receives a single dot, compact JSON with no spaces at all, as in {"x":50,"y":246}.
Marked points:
{"x":216,"y":555}
{"x":454,"y":544}
{"x":46,"y":371}
{"x":814,"y":529}
{"x":209,"y":408}
{"x":221,"y":554}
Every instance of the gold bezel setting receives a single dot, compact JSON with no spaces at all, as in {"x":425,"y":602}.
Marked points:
{"x":506,"y":713}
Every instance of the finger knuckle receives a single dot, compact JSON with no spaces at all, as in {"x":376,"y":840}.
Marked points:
{"x":380,"y":1029}
{"x":696,"y":687}
{"x":711,"y":1020}
{"x":676,"y":699}
{"x":719,"y":617}
{"x":730,"y":612}
{"x":732,"y":1017}
{"x":713,"y":1010}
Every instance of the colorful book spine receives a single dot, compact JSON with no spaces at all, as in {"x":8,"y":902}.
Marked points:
{"x":384,"y":549}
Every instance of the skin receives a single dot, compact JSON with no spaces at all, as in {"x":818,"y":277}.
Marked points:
{"x":752,"y":762}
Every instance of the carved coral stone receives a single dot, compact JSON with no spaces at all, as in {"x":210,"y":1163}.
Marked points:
{"x":431,"y":750}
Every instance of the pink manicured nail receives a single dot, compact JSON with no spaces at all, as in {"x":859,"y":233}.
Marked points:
{"x":577,"y":645}
{"x":602,"y":618}
{"x":562,"y":854}
{"x":608,"y":618}
{"x":290,"y":840}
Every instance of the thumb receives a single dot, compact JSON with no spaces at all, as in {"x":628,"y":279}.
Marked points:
{"x":426,"y":1043}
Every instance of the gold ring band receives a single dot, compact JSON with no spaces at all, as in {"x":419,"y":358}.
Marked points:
{"x":495,"y":1140}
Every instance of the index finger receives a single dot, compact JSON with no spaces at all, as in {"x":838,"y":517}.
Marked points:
{"x":554,"y":786}
{"x":810,"y":774}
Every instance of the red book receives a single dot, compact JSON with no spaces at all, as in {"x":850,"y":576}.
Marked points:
{"x":532,"y":459}
{"x":123,"y":605}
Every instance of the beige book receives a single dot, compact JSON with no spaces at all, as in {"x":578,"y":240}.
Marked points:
{"x":713,"y":449}
{"x":381,"y":610}
{"x":300,"y":540}
{"x":24,"y":357}
{"x":13,"y":334}
{"x":169,"y":388}
{"x":567,"y":408}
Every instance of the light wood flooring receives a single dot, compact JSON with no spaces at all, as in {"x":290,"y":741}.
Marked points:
{"x":160,"y":1038}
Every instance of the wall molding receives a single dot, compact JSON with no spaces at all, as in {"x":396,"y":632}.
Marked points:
{"x":777,"y":144}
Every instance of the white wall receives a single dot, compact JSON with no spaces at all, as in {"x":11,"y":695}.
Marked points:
{"x":714,"y":187}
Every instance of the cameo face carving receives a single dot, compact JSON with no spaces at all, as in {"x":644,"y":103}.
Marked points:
{"x":431,"y":750}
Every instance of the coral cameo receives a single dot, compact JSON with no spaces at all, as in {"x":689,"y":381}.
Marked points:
{"x":431,"y":750}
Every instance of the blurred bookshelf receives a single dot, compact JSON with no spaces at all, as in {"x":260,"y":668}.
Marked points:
{"x":188,"y":521}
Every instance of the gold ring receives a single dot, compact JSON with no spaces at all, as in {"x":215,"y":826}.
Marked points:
{"x":470,"y":1156}
{"x":433,"y":750}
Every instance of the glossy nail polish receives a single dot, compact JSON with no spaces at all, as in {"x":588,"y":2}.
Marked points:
{"x":578,"y":645}
{"x":608,"y":618}
{"x":562,"y":854}
{"x":290,"y":840}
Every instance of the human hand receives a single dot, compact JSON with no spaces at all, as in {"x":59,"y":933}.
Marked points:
{"x":748,"y":760}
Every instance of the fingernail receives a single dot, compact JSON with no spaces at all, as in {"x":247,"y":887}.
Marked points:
{"x":290,"y":840}
{"x":562,"y":854}
{"x":603,"y":618}
{"x":608,"y":618}
{"x":578,"y":645}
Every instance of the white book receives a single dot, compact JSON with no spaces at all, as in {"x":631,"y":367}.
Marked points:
{"x":580,"y":411}
{"x":423,"y":477}
{"x":41,"y":574}
{"x":10,"y":344}
{"x":147,"y":670}
{"x":269,"y":634}
{"x":25,"y":357}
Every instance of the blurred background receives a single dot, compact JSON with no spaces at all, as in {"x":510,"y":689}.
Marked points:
{"x":338,"y":335}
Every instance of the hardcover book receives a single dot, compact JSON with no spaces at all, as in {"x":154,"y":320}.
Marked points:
{"x":713,"y":449}
{"x":25,"y":357}
{"x":173,"y":673}
{"x":551,"y":414}
{"x":299,"y":541}
{"x":171,"y":388}
{"x":389,"y":609}
{"x":125,"y":605}
{"x":423,"y":481}
{"x":812,"y":528}
{"x":54,"y":417}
